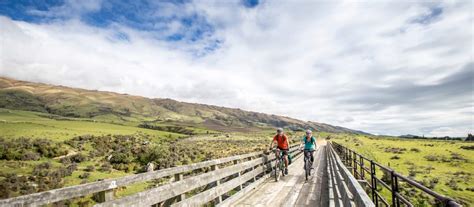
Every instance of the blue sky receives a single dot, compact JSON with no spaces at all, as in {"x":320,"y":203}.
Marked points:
{"x":142,"y":15}
{"x":385,"y":67}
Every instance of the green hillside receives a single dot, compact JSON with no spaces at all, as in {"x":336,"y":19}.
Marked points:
{"x":108,"y":106}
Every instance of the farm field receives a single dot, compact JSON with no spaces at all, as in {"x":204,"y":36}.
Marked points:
{"x":444,"y":166}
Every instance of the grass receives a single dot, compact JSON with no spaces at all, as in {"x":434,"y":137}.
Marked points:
{"x":211,"y":144}
{"x":383,"y":149}
{"x":204,"y":145}
{"x":15,"y":123}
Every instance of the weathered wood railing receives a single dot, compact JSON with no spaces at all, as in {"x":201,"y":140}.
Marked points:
{"x":236,"y":174}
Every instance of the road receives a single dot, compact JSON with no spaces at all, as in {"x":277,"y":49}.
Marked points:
{"x":292,"y":190}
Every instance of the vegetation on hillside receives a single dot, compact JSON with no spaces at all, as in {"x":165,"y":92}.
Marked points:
{"x":102,"y":106}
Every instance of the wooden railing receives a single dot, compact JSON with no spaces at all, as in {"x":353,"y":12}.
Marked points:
{"x":226,"y":179}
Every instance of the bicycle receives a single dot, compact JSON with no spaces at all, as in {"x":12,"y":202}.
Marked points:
{"x":307,"y":163}
{"x":279,"y":165}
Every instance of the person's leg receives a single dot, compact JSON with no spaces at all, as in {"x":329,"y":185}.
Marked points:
{"x":285,"y":157}
{"x":312,"y":155}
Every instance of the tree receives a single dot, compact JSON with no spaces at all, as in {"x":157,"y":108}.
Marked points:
{"x":470,"y":137}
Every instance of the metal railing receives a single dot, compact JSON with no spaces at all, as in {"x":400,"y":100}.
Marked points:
{"x":359,"y":165}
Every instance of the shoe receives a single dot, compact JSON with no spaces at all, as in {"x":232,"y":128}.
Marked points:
{"x":286,"y":171}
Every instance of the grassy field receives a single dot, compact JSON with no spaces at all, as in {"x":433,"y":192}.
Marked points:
{"x":42,"y":152}
{"x":441,"y":165}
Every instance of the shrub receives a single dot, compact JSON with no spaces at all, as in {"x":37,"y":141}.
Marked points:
{"x":415,"y":150}
{"x":84,"y":175}
{"x":457,"y":156}
{"x":106,"y":167}
{"x":395,"y":150}
{"x":90,"y":168}
{"x":451,"y":183}
{"x":30,"y":156}
{"x":396,"y":157}
{"x":431,"y":158}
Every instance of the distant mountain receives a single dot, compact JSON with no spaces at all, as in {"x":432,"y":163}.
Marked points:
{"x":100,"y":105}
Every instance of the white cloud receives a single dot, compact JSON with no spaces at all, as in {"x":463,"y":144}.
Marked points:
{"x":313,"y":60}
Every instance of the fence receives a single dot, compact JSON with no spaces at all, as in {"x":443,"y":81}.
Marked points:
{"x":344,"y":189}
{"x":223,"y":180}
{"x":359,"y":166}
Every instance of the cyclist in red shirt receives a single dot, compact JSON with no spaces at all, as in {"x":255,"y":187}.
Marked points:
{"x":282,"y":144}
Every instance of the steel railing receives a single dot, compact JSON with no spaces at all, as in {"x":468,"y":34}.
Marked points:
{"x":360,"y":165}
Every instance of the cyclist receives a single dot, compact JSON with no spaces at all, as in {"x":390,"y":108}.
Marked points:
{"x":282,"y":144}
{"x":309,"y":143}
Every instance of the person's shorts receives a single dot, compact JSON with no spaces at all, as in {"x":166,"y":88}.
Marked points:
{"x":283,"y":151}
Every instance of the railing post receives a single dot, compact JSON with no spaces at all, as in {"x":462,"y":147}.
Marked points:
{"x":218,"y":182}
{"x":374,"y":182}
{"x":255,"y":177}
{"x":362,"y":171}
{"x":350,"y":158}
{"x":395,"y":201}
{"x":355,"y":164}
{"x":105,"y":196}
{"x":348,"y":162}
{"x":238,"y":174}
{"x":178,"y":177}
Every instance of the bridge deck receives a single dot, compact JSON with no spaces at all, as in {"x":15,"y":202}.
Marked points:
{"x":292,"y":190}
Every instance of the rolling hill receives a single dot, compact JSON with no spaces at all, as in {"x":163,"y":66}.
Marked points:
{"x":105,"y":106}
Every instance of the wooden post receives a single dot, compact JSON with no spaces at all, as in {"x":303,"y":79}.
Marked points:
{"x":218,"y":182}
{"x":238,"y":174}
{"x":178,"y":177}
{"x":105,"y":196}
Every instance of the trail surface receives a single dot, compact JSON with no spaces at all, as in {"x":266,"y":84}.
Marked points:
{"x":292,"y":190}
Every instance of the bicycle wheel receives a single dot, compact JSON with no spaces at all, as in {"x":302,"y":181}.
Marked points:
{"x":276,"y":171}
{"x":306,"y":170}
{"x":282,"y":167}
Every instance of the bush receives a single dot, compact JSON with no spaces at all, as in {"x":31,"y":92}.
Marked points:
{"x":415,"y":150}
{"x":395,"y":150}
{"x":78,"y":158}
{"x":121,"y":158}
{"x":84,"y":175}
{"x":396,"y":157}
{"x":431,"y":158}
{"x":30,"y":156}
{"x":106,"y":167}
{"x":90,"y":168}
{"x":451,"y":183}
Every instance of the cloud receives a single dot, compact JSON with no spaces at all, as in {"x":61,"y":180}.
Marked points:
{"x":386,"y":68}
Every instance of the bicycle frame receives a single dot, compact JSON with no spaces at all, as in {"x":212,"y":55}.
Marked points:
{"x":307,"y":163}
{"x":279,"y":164}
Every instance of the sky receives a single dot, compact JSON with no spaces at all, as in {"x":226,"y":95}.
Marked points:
{"x":384,"y":67}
